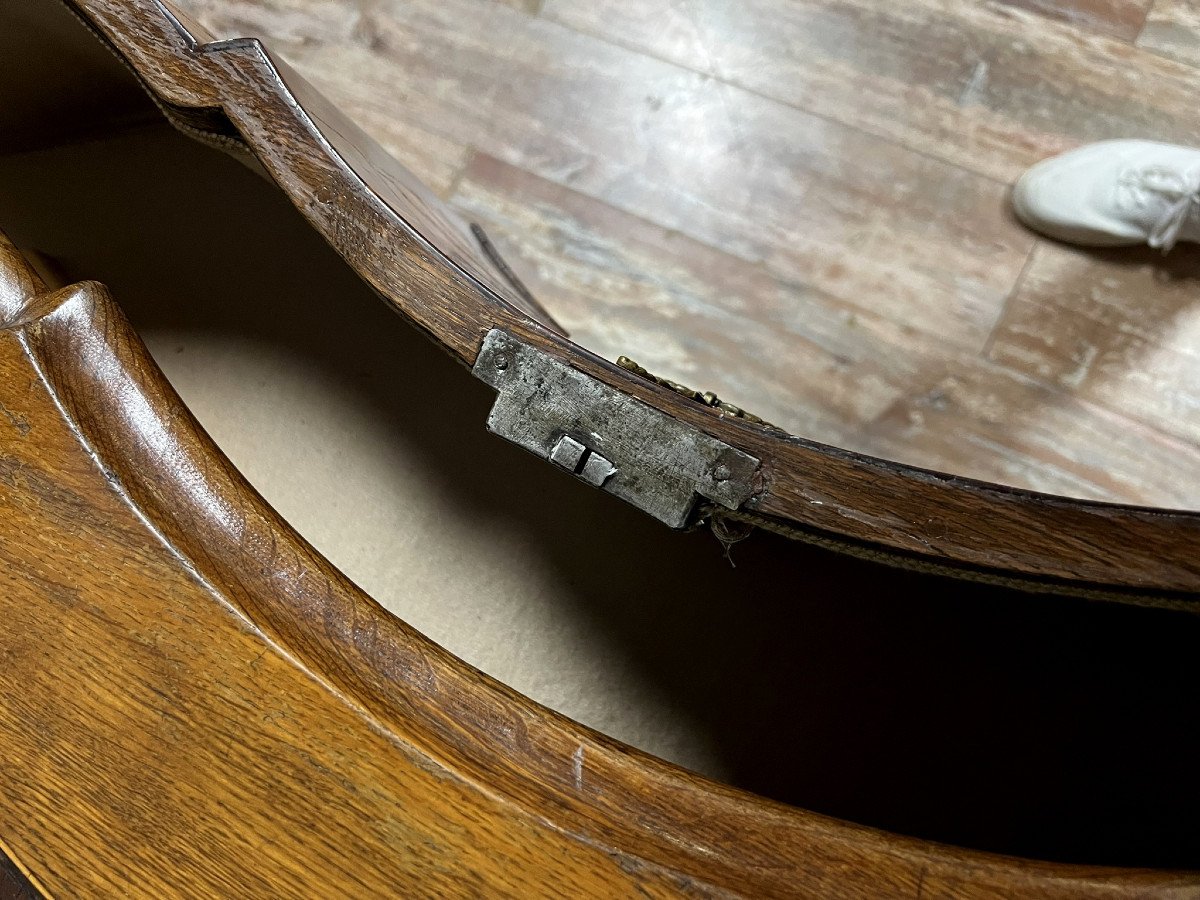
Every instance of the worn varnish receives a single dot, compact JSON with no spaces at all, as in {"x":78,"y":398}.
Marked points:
{"x":1118,"y":18}
{"x":195,"y":702}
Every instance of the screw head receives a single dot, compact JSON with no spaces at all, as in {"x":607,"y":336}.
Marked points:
{"x":722,"y":473}
{"x":502,"y":361}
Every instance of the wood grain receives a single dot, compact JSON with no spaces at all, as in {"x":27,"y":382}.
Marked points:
{"x":988,"y":87}
{"x":1118,"y":18}
{"x":127,"y":676}
{"x":860,"y":504}
{"x":1002,"y":426}
{"x":773,"y":356}
{"x":1071,"y":324}
{"x":813,"y":201}
{"x":195,"y":702}
{"x":625,"y":287}
{"x":407,"y":196}
{"x":1173,"y":30}
{"x":622,"y":286}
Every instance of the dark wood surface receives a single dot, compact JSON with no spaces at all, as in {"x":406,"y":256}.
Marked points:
{"x":15,"y":884}
{"x":865,"y":505}
{"x":195,"y":702}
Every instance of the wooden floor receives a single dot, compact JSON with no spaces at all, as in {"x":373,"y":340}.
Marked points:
{"x":802,"y":205}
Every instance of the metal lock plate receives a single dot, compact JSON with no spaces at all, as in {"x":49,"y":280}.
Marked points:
{"x":607,"y":438}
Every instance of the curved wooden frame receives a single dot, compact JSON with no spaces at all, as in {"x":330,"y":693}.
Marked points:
{"x":113,"y":450}
{"x":234,"y":94}
{"x":633,"y":821}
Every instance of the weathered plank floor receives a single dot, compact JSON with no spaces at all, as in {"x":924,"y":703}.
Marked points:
{"x":803,"y":205}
